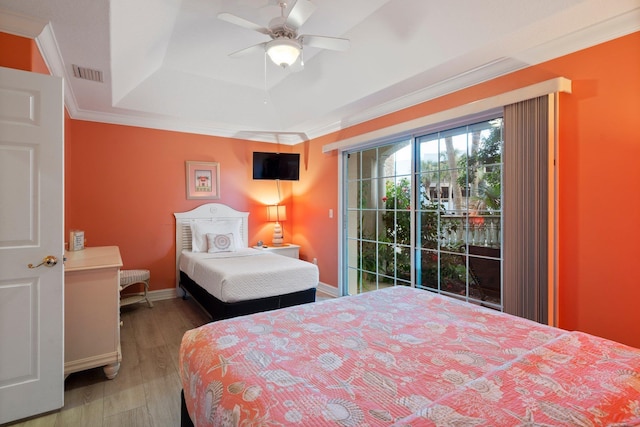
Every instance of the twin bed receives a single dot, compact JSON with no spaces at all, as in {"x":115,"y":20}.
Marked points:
{"x":216,"y":266}
{"x":402,"y":357}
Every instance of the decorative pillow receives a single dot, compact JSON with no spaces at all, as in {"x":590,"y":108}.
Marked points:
{"x":196,"y":243}
{"x":226,"y":226}
{"x":220,"y":243}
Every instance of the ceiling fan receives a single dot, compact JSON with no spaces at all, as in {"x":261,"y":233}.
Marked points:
{"x":285,"y":45}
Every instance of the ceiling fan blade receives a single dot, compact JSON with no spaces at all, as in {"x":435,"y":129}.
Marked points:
{"x":323,"y":42}
{"x":247,"y":50}
{"x":236,"y":20}
{"x":299,"y":13}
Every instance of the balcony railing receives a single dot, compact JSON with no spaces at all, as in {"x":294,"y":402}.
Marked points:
{"x":477,"y":230}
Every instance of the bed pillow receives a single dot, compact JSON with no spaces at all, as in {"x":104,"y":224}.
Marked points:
{"x":220,"y":243}
{"x":226,"y":226}
{"x":196,"y":243}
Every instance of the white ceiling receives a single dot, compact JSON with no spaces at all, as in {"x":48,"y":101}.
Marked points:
{"x":165,"y":62}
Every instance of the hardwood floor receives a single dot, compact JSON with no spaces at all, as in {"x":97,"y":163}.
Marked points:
{"x":146,"y":391}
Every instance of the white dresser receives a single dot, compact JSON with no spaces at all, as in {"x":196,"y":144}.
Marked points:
{"x":92,"y":310}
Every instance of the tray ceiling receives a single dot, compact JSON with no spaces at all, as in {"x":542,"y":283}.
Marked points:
{"x":166,"y":64}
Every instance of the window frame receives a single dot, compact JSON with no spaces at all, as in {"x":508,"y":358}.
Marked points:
{"x":344,"y":265}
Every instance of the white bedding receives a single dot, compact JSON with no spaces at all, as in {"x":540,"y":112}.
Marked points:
{"x":248,"y":274}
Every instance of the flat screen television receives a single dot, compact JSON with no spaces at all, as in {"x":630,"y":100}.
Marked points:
{"x":283,"y":166}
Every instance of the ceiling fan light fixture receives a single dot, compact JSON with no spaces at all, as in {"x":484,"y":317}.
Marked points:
{"x":283,"y":52}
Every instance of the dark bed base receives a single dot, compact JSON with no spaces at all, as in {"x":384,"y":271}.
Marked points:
{"x":185,"y":419}
{"x":219,"y":310}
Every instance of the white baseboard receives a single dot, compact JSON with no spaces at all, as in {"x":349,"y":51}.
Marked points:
{"x":328,"y":289}
{"x":161,"y":294}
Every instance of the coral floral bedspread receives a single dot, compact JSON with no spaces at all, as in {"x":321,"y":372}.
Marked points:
{"x":404,"y":357}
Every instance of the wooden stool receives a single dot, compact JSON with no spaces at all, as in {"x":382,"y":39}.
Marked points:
{"x":131,"y":277}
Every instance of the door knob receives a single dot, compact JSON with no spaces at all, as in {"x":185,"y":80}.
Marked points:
{"x":48,"y":261}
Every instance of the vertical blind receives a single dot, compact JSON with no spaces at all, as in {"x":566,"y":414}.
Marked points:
{"x":526,"y":208}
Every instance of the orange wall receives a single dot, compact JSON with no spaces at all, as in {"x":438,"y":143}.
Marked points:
{"x":599,"y":207}
{"x":123,"y":184}
{"x":314,"y":195}
{"x":21,"y":53}
{"x":599,"y":197}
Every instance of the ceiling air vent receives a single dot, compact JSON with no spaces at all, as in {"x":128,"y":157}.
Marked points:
{"x":87,"y":73}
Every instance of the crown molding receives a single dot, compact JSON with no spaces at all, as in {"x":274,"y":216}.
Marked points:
{"x":559,"y":84}
{"x":20,"y":25}
{"x":469,"y":78}
{"x":618,"y":26}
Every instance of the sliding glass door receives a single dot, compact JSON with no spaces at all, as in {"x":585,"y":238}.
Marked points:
{"x":378,"y":219}
{"x":458,"y":214}
{"x":425,"y":211}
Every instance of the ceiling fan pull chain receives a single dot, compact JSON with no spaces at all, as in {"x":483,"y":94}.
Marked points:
{"x":265,"y":77}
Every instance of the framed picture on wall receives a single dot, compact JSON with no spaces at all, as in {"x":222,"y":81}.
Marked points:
{"x":203,"y":180}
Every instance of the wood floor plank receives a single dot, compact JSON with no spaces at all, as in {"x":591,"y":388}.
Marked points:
{"x":43,"y":421}
{"x":146,"y":391}
{"x":138,"y":417}
{"x":147,"y":333}
{"x":163,"y":397}
{"x":88,"y":414}
{"x":82,"y":388}
{"x":193,"y":312}
{"x":156,"y":362}
{"x":124,"y":400}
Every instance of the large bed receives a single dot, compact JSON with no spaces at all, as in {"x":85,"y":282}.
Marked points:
{"x":216,"y":266}
{"x":403,"y":357}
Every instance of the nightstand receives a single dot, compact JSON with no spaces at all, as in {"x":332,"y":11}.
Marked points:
{"x":287,"y":249}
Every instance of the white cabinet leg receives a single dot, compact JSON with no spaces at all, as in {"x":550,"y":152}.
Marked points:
{"x":111,"y":370}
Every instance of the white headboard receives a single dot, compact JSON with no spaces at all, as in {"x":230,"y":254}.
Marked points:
{"x":211,"y":211}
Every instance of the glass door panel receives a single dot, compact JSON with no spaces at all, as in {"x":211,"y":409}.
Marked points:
{"x":427,"y":212}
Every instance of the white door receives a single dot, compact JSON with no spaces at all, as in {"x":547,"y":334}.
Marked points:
{"x":31,"y":228}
